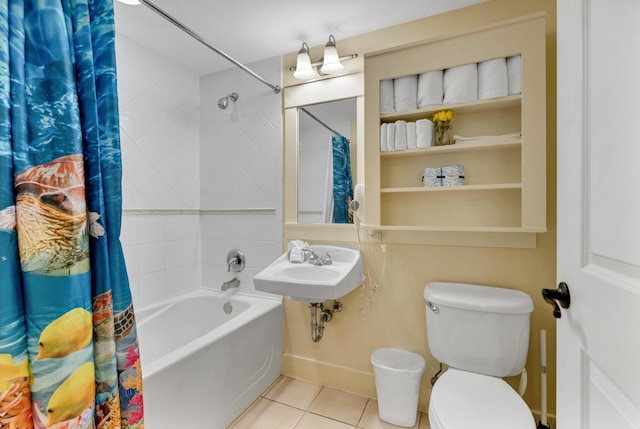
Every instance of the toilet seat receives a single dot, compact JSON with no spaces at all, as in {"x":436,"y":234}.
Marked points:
{"x":463,"y":400}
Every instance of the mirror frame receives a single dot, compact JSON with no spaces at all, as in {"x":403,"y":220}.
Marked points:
{"x":322,"y":91}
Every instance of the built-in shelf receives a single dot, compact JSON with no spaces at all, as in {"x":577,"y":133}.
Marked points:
{"x":504,"y":229}
{"x":503,"y":200}
{"x":485,"y":144}
{"x":462,"y":188}
{"x":460,"y":108}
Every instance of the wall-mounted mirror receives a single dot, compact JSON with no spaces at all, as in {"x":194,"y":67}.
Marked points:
{"x":327,"y":161}
{"x":308,"y":149}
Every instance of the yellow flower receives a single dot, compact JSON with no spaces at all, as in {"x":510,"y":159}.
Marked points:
{"x":443,"y":116}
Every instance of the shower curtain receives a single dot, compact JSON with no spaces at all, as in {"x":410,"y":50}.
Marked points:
{"x":342,"y":183}
{"x":68,"y":346}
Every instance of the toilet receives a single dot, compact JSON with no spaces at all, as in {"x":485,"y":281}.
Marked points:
{"x":482,"y":334}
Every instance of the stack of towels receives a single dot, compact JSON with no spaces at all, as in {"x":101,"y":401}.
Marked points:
{"x":494,"y":78}
{"x":451,"y":175}
{"x":403,"y":135}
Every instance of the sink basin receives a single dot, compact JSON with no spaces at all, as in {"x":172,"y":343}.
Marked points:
{"x":313,"y":283}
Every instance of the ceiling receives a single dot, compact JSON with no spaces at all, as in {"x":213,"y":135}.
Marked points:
{"x":253,"y":30}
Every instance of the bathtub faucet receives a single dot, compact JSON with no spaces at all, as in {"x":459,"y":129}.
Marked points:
{"x":234,"y":282}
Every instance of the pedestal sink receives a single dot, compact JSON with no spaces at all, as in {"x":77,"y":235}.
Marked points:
{"x":313,"y":283}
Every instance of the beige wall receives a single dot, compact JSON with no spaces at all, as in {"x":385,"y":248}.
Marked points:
{"x":395,"y":314}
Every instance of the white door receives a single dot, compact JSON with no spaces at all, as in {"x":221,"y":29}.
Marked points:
{"x":598,"y":339}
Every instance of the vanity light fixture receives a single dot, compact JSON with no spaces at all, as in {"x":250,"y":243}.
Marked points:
{"x":331,"y":62}
{"x":303,"y":69}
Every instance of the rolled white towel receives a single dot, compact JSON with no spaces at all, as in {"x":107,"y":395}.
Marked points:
{"x":383,"y":138}
{"x":492,"y":79}
{"x":514,"y":74}
{"x":405,"y":93}
{"x":460,"y":84}
{"x":412,"y":141}
{"x":391,"y":137}
{"x":424,"y":133}
{"x":386,"y":96}
{"x":430,"y":91}
{"x":401,"y":135}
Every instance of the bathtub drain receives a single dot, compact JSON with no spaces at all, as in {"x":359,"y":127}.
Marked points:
{"x":227,"y":307}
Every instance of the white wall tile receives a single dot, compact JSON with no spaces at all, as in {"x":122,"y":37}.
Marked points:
{"x":181,"y":152}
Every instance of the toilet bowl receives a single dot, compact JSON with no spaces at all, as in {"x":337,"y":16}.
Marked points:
{"x":464,"y":400}
{"x":482,"y":334}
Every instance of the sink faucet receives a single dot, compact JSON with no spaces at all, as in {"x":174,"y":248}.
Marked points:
{"x":318,"y":260}
{"x":234,"y":282}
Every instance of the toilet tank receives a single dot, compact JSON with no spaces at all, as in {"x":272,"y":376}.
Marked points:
{"x":480,"y":329}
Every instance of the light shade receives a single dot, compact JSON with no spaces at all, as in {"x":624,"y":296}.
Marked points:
{"x":331,"y":63}
{"x":303,"y":64}
{"x":131,"y":2}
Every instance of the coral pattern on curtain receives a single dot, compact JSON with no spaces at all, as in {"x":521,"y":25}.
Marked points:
{"x":342,"y":182}
{"x":69,"y":354}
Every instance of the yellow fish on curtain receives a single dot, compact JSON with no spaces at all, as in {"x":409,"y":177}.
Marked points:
{"x":69,"y":354}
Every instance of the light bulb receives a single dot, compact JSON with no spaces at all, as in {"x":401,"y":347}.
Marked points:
{"x":303,"y":64}
{"x":331,"y":63}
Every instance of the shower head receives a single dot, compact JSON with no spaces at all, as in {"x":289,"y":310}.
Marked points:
{"x":223,"y":103}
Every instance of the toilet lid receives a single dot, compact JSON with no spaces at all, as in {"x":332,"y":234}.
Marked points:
{"x":463,"y":400}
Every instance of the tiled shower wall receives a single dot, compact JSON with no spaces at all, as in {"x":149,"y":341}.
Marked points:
{"x":240,"y":172}
{"x":196,"y":180}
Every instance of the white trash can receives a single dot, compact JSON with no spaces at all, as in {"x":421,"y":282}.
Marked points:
{"x":397,"y":374}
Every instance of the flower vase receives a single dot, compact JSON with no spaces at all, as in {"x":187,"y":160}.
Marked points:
{"x":443,"y":134}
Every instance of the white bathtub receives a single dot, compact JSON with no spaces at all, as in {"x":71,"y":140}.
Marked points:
{"x":202,"y":367}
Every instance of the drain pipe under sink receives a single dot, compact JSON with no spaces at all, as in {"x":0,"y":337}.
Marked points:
{"x":326,"y":314}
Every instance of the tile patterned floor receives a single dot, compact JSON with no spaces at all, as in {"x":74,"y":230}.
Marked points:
{"x":297,"y":404}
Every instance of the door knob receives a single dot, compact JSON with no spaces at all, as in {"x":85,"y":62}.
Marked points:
{"x":557,"y":296}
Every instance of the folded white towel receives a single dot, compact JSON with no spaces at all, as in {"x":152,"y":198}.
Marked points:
{"x":386,"y":96}
{"x":477,"y":139}
{"x":424,"y":133}
{"x":412,"y":141}
{"x":514,"y":73}
{"x":401,"y":135}
{"x":383,"y":138}
{"x":297,"y":243}
{"x":391,"y":137}
{"x":430,"y":92}
{"x":492,"y":79}
{"x":460,"y":84}
{"x":405,"y":93}
{"x":296,"y":255}
{"x":297,"y":250}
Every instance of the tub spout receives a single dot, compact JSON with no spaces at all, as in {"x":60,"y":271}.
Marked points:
{"x":234,"y":282}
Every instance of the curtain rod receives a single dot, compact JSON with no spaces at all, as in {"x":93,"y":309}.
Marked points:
{"x":181,"y":26}
{"x":320,"y":122}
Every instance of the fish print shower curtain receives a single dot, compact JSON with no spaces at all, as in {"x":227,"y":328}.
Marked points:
{"x":68,"y":347}
{"x":342,"y":183}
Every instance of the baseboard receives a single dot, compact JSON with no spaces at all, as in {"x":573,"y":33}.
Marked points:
{"x":340,"y":377}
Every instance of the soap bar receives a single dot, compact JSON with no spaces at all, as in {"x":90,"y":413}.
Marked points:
{"x":453,"y":175}
{"x":432,"y":176}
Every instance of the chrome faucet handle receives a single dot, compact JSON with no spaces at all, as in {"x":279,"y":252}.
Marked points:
{"x":235,"y":261}
{"x":314,"y":258}
{"x":326,"y":258}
